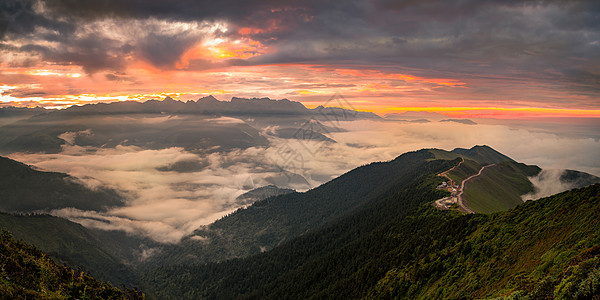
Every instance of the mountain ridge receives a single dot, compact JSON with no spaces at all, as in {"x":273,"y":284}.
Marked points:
{"x":211,"y":105}
{"x":24,"y":189}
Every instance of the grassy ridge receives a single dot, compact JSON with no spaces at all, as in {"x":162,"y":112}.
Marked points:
{"x":466,"y":169}
{"x":498,"y":188}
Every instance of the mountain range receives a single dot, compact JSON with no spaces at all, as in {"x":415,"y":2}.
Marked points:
{"x":198,"y":126}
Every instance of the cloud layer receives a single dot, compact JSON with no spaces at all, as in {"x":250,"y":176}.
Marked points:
{"x":171,"y":192}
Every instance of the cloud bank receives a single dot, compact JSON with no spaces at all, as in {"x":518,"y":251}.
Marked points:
{"x":171,"y":192}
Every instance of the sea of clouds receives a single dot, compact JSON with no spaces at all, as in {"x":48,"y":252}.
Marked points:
{"x":167,"y":204}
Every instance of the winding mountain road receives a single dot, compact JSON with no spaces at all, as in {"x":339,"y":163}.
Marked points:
{"x":445,"y":173}
{"x":461,"y":202}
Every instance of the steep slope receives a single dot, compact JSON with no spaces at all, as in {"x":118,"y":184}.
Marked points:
{"x":307,"y":265}
{"x":28,"y":273}
{"x":271,"y":222}
{"x":104,"y":254}
{"x":547,"y":249}
{"x":499,"y":187}
{"x":23,"y":189}
{"x":401,"y":247}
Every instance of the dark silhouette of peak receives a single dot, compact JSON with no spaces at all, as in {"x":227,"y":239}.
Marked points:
{"x":17,"y":111}
{"x":266,"y":106}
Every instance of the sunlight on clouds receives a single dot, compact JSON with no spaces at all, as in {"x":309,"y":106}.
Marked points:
{"x":167,"y":205}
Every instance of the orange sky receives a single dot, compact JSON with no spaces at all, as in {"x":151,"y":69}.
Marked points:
{"x":293,"y":51}
{"x":367,"y":90}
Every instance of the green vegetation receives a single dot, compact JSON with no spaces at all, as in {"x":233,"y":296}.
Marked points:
{"x":276,"y":220}
{"x":23,"y":189}
{"x":483,"y":154}
{"x":498,"y":188}
{"x":443,"y":154}
{"x":370,"y":233}
{"x":28,"y":273}
{"x":529,"y":250}
{"x":102,"y":253}
{"x":318,"y":263}
{"x":401,"y":247}
{"x":466,"y":169}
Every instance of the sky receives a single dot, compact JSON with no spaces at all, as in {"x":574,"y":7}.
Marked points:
{"x":501,"y":59}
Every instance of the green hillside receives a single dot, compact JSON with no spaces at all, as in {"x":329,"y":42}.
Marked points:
{"x":104,"y":254}
{"x":401,"y":247}
{"x":467,"y":168}
{"x":28,"y":273}
{"x":545,"y":249}
{"x":499,"y":187}
{"x":483,"y":154}
{"x":23,"y":189}
{"x":275,"y":220}
{"x":370,"y":233}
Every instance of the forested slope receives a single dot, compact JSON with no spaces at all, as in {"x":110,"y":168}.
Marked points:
{"x":275,"y":220}
{"x":107,"y":255}
{"x":28,"y":273}
{"x":23,"y":189}
{"x":402,"y":247}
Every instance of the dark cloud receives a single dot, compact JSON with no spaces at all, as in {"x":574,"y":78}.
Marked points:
{"x":163,"y":50}
{"x":19,"y":17}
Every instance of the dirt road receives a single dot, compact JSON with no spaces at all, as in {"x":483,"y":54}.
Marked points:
{"x":445,"y":173}
{"x":461,"y":201}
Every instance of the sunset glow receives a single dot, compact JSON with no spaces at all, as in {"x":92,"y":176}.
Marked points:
{"x":296,"y":51}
